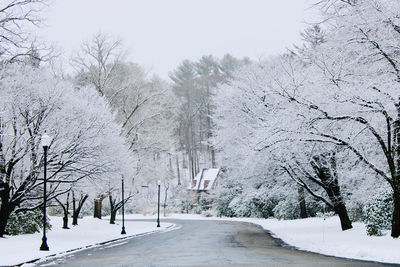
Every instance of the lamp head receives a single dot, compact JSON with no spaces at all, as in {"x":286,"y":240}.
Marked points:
{"x":46,"y":140}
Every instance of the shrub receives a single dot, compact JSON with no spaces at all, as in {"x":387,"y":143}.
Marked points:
{"x":27,"y":222}
{"x":245,"y":206}
{"x":287,"y":209}
{"x":378,"y":213}
{"x":222,"y":203}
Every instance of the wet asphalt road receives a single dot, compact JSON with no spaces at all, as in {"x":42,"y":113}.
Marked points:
{"x":201,"y":243}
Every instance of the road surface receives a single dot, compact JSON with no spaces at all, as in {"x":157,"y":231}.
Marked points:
{"x":202,"y":243}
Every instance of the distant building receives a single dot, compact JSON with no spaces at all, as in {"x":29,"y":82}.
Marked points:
{"x":206,"y":179}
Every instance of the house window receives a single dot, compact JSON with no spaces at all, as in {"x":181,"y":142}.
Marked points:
{"x":194,"y":183}
{"x":206,"y":183}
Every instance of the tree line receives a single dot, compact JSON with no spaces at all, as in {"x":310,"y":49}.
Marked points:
{"x":313,"y":130}
{"x":107,"y":121}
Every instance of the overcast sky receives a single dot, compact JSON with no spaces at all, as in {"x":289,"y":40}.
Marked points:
{"x":159,"y":34}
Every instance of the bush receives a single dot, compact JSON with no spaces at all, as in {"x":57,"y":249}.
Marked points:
{"x":356,"y":210}
{"x":287,"y":209}
{"x":245,"y":206}
{"x":378,"y":213}
{"x":208,"y":213}
{"x":204,"y":202}
{"x":265,"y":203}
{"x":27,"y":222}
{"x":222,"y":205}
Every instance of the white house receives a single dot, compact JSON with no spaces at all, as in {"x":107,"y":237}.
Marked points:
{"x":206,"y":179}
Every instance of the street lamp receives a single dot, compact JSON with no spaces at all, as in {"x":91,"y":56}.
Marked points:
{"x":2,"y":159}
{"x":123,"y":209}
{"x":158,"y":212}
{"x":46,"y":140}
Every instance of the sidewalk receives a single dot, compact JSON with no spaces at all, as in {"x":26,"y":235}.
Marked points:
{"x":90,"y":232}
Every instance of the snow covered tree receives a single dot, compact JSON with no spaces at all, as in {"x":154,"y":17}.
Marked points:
{"x":34,"y":101}
{"x":340,"y":93}
{"x":144,"y":106}
{"x":194,"y":84}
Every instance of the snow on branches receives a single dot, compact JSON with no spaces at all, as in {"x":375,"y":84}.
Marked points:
{"x":86,"y":144}
{"x":338,"y":96}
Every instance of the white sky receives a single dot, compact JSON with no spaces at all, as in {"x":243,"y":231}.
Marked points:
{"x":159,"y":34}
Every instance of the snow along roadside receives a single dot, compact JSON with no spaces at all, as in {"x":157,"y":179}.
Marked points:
{"x":321,"y":236}
{"x":90,"y":232}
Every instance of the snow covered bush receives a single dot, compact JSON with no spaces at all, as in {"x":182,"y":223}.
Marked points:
{"x":378,"y":213}
{"x":222,"y":203}
{"x":245,"y":205}
{"x":204,"y":202}
{"x":257,"y":203}
{"x":356,"y":210}
{"x":287,"y":209}
{"x":27,"y":222}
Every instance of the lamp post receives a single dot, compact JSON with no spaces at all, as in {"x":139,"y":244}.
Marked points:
{"x":2,"y":159}
{"x":158,"y":211}
{"x":46,"y":140}
{"x":123,"y":209}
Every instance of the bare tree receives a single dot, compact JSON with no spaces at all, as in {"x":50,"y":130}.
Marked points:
{"x":96,"y":62}
{"x":77,"y":205}
{"x":17,"y":19}
{"x":116,"y":204}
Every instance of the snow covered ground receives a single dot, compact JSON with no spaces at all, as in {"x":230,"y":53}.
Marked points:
{"x":312,"y":234}
{"x":90,"y":231}
{"x":323,"y":236}
{"x":326,"y":237}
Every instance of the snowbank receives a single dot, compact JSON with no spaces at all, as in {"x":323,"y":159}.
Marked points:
{"x":90,"y":231}
{"x":326,"y":237}
{"x":322,"y":236}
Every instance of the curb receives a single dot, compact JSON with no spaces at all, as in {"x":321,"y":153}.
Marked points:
{"x":169,"y":228}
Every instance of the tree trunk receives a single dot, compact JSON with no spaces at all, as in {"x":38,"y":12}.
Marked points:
{"x":396,"y":216}
{"x":345,"y":222}
{"x":191,"y":162}
{"x":65,"y":211}
{"x":97,"y":208}
{"x":76,"y":209}
{"x":325,"y":168}
{"x":3,"y":223}
{"x":213,"y":163}
{"x":165,"y":198}
{"x":112,"y":217}
{"x":396,"y":179}
{"x":113,"y":208}
{"x":5,"y":208}
{"x":302,"y":203}
{"x":177,"y":170}
{"x":75,"y":219}
{"x":65,"y":222}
